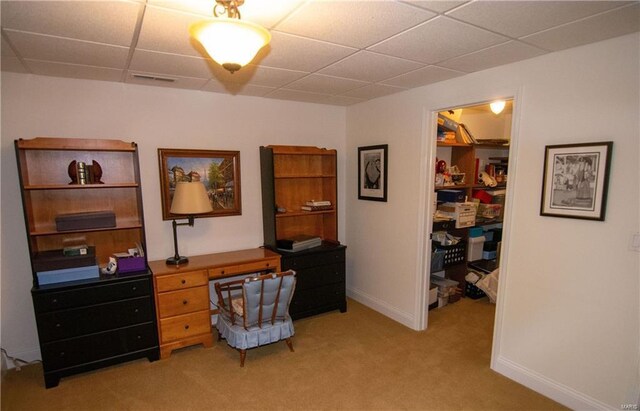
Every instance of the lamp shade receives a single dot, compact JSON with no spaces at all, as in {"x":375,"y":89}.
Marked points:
{"x":190,"y":198}
{"x":497,"y":106}
{"x":232,"y":43}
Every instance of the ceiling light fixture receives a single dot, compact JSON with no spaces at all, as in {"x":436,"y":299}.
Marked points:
{"x":497,"y":106}
{"x":229,"y":41}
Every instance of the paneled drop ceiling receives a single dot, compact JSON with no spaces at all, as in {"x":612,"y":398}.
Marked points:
{"x":327,"y":52}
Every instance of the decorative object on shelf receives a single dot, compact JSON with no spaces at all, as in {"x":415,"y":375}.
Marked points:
{"x":230,"y":42}
{"x":372,"y":172}
{"x":576,"y":179}
{"x":487,"y":180}
{"x":82,"y":173}
{"x":190,"y":198}
{"x":218,"y":170}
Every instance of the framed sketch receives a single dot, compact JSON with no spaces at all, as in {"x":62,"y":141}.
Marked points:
{"x":219,"y":171}
{"x":372,"y":173}
{"x":576,"y":179}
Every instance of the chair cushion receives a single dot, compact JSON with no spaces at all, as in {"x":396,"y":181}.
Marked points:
{"x":239,"y":338}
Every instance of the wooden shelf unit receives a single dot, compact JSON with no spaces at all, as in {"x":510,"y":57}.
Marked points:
{"x":291,"y":176}
{"x":92,"y":323}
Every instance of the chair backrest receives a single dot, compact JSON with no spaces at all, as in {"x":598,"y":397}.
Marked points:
{"x":267,"y":298}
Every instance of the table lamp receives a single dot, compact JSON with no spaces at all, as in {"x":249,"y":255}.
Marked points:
{"x":189,"y":198}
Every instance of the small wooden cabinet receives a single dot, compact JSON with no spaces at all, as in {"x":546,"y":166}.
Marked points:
{"x":291,"y":176}
{"x":91,"y":323}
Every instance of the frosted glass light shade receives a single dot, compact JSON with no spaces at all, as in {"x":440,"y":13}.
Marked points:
{"x":190,"y":198}
{"x":497,"y":106}
{"x":232,"y":43}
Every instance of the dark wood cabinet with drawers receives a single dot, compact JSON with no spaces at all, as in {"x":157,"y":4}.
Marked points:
{"x":320,"y":283}
{"x":87,"y":326}
{"x":103,"y":320}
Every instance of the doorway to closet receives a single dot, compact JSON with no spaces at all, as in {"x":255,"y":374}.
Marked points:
{"x":468,"y":203}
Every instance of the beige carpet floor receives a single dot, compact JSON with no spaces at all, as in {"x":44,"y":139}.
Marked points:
{"x":359,"y":360}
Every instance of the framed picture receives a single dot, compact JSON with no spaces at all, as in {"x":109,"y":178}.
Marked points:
{"x":576,"y":179}
{"x":219,"y":171}
{"x":372,"y":173}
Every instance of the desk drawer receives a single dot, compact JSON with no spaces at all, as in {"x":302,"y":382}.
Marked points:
{"x":184,"y":326}
{"x":90,"y":295}
{"x":183,"y":301}
{"x":181,"y":280}
{"x":226,"y":271}
{"x":61,"y":324}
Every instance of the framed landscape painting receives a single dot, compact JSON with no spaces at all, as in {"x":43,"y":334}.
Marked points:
{"x":372,"y":173}
{"x":576,"y":179}
{"x":218,"y":170}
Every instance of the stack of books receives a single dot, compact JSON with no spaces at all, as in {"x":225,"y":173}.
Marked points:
{"x":298,"y":243}
{"x":317,"y":205}
{"x":464,"y":136}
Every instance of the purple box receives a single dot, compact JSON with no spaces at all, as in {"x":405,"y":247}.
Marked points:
{"x":131,"y":264}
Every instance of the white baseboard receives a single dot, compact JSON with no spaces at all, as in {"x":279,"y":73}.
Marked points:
{"x":558,"y":392}
{"x":28,"y":356}
{"x":382,"y":307}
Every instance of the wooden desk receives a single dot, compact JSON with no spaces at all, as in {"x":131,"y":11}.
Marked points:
{"x":182,"y":293}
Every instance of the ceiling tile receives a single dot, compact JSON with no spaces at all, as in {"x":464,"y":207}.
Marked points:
{"x":178,"y":82}
{"x":12,"y":64}
{"x":111,"y":22}
{"x":63,"y":50}
{"x":369,"y":66}
{"x":437,"y":6}
{"x":504,"y":53}
{"x":299,"y":53}
{"x":264,"y":13}
{"x":295,"y":95}
{"x":437,"y":40}
{"x":601,"y":27}
{"x":47,"y":68}
{"x":237,"y":89}
{"x":420,"y":77}
{"x":172,"y":64}
{"x":519,"y":18}
{"x":6,"y":49}
{"x":317,"y":83}
{"x":373,"y":91}
{"x":168,"y":31}
{"x":350,"y":23}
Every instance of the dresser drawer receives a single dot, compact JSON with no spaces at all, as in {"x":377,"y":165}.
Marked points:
{"x":311,"y":299}
{"x":320,"y":275}
{"x":312,"y":260}
{"x":181,"y":280}
{"x":243,"y":268}
{"x":98,"y":346}
{"x":61,"y":324}
{"x":94,"y":294}
{"x":184,"y":326}
{"x":183,"y":301}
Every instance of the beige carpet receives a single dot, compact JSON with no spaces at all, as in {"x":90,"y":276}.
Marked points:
{"x":359,"y":360}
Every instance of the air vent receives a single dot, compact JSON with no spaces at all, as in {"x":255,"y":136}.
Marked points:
{"x":145,"y":77}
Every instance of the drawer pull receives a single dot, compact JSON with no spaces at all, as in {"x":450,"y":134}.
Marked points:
{"x":183,"y":281}
{"x":134,"y":288}
{"x":61,"y":353}
{"x":267,"y":264}
{"x":58,"y":325}
{"x":186,"y":327}
{"x":185,"y":302}
{"x":139,"y":337}
{"x":222,"y":272}
{"x":54,"y":301}
{"x":136,"y":310}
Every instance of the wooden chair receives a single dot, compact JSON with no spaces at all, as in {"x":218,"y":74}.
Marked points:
{"x":255,"y":311}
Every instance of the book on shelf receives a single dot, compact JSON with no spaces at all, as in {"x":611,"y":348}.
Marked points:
{"x":317,"y":203}
{"x":447,"y":123}
{"x":298,"y":243}
{"x":316,"y":208}
{"x":464,"y":136}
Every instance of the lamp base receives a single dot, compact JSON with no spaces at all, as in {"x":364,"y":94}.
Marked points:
{"x":177,"y":260}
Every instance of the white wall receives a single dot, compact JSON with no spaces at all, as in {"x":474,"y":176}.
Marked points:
{"x":568,"y":314}
{"x":153,"y":117}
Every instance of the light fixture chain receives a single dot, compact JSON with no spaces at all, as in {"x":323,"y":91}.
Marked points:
{"x":229,"y":8}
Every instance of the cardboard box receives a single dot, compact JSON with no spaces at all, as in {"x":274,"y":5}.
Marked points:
{"x":451,"y":196}
{"x":463,"y":213}
{"x":68,"y":274}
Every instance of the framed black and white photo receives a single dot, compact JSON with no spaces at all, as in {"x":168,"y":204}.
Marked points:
{"x":576,"y":179}
{"x":372,"y":173}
